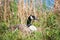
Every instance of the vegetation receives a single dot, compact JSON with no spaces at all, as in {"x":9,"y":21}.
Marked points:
{"x":13,"y":13}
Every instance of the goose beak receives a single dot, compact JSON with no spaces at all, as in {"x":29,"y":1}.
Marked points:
{"x":36,"y":19}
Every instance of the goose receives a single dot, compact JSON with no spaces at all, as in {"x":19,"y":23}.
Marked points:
{"x":26,"y":28}
{"x":29,"y":25}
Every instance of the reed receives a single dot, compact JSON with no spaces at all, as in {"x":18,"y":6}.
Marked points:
{"x":13,"y":13}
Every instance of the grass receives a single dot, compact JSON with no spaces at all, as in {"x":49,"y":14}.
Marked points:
{"x":51,"y":30}
{"x":49,"y":22}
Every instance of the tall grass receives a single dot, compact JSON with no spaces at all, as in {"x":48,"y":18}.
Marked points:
{"x":50,"y":30}
{"x":48,"y":22}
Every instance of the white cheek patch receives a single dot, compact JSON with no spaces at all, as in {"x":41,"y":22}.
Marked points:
{"x":31,"y":17}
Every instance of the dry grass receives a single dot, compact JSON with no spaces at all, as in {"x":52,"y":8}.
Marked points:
{"x":13,"y":14}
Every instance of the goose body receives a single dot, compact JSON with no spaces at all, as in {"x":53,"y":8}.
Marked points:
{"x":33,"y":28}
{"x":28,"y":28}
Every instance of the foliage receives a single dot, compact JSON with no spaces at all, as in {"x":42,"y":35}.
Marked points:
{"x":48,"y":23}
{"x":51,"y":30}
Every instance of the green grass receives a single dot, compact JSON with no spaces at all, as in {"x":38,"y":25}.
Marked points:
{"x":49,"y":22}
{"x":51,"y":30}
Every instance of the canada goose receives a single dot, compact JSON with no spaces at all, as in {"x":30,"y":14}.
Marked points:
{"x":28,"y":28}
{"x":29,"y":25}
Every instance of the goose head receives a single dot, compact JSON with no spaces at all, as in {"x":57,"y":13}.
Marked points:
{"x":29,"y":25}
{"x":30,"y":18}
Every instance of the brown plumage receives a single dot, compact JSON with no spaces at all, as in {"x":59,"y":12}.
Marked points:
{"x":21,"y":27}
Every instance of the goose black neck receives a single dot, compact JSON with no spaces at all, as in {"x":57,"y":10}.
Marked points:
{"x":29,"y":22}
